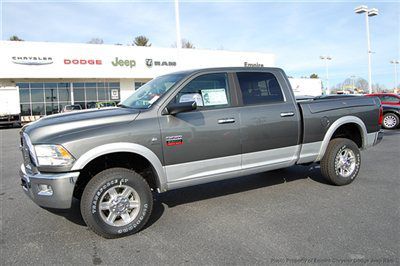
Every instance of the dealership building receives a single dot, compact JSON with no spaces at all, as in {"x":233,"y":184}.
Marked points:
{"x":52,"y":75}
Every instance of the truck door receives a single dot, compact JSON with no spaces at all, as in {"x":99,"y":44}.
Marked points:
{"x":269,"y":121}
{"x":203,"y":142}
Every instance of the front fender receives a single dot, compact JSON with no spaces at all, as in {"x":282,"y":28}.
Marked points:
{"x":124,"y":147}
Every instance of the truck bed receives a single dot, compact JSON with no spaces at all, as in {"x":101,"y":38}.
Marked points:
{"x":320,"y":113}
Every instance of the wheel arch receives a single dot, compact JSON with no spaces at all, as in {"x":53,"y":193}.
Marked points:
{"x":349,"y":121}
{"x":125,"y":147}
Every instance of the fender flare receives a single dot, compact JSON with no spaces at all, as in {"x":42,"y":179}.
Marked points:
{"x":98,"y":151}
{"x":338,"y":123}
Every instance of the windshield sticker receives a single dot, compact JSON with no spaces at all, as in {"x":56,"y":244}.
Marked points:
{"x":214,"y":97}
{"x":192,"y":97}
{"x":174,"y":140}
{"x":155,"y":98}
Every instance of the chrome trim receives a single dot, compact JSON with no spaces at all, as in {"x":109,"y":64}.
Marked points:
{"x":226,"y":120}
{"x":62,"y":185}
{"x":202,"y":168}
{"x":203,"y":171}
{"x":341,"y":121}
{"x":379,"y":137}
{"x":125,"y":147}
{"x":31,"y":149}
{"x":309,"y":152}
{"x":286,"y":114}
{"x":371,"y":138}
{"x":270,"y":157}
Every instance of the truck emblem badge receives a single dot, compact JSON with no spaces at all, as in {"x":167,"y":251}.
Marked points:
{"x":174,"y":140}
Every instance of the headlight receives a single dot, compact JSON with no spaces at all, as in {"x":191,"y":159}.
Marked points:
{"x":52,"y":155}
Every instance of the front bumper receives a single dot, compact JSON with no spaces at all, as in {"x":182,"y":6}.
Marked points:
{"x":50,"y":190}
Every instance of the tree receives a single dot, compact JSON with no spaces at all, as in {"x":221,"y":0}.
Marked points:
{"x":184,"y":44}
{"x":314,"y":76}
{"x":379,"y":88}
{"x":96,"y":41}
{"x":15,"y":38}
{"x":354,"y":85}
{"x":187,"y":44}
{"x":141,"y":41}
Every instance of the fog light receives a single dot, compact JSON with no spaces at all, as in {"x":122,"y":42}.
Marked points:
{"x":45,"y":190}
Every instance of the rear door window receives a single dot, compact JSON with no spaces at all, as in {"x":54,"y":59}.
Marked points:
{"x":259,"y":88}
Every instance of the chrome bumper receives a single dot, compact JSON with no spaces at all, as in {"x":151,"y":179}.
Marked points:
{"x":379,"y":137}
{"x":49,"y":190}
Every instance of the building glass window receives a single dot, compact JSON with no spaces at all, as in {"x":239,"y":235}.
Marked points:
{"x":38,"y":99}
{"x":38,"y":109}
{"x":25,"y":109}
{"x":139,"y":84}
{"x":79,"y":94}
{"x":24,"y":96}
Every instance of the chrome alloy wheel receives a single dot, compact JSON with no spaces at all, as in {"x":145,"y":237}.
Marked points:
{"x":390,"y":121}
{"x":119,"y":205}
{"x":345,"y":162}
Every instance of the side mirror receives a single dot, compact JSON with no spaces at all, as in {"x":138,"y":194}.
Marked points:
{"x":175,"y":108}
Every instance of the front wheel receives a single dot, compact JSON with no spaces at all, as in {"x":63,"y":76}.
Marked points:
{"x":390,"y":121}
{"x":341,"y":162}
{"x":116,"y":202}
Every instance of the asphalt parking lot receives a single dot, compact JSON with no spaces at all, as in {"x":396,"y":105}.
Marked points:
{"x":286,"y":216}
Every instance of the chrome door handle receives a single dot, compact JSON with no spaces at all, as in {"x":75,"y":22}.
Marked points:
{"x":226,"y":120}
{"x":287,"y":114}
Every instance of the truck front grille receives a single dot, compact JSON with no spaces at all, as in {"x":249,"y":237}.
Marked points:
{"x":25,"y":151}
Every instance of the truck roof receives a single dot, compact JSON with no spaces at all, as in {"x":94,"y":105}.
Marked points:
{"x":229,"y":69}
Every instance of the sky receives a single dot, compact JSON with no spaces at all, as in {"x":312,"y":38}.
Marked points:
{"x":297,"y":32}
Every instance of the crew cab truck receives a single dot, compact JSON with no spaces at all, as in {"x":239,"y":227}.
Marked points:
{"x":184,"y":129}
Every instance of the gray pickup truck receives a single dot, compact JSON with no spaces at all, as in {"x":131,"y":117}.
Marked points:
{"x":184,"y":129}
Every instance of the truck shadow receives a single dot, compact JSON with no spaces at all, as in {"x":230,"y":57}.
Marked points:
{"x":241,"y":184}
{"x":181,"y":196}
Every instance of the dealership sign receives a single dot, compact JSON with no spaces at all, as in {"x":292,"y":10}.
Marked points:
{"x":83,"y":62}
{"x":247,"y":64}
{"x":124,"y":62}
{"x":32,"y":60}
{"x":150,"y":62}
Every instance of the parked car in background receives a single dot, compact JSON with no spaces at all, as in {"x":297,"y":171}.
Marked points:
{"x":391,"y":109}
{"x":70,"y":108}
{"x":105,"y":104}
{"x":391,"y":116}
{"x":92,"y":105}
{"x":387,"y":98}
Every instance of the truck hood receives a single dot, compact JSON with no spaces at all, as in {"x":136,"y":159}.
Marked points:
{"x":54,"y":126}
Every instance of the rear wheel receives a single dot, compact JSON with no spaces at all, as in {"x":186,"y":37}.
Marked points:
{"x":116,"y":202}
{"x":341,"y":162}
{"x":390,"y":121}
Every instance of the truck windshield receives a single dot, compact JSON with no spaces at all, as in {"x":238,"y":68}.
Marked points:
{"x":150,"y":92}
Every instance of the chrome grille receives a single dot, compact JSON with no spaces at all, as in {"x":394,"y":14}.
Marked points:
{"x":25,"y":152}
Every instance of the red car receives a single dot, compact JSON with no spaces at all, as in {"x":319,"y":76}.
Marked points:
{"x":387,"y":98}
{"x":391,"y":109}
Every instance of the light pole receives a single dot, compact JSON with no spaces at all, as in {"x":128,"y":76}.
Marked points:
{"x":178,"y":26}
{"x":326,"y":58}
{"x":395,"y":63}
{"x":368,"y":13}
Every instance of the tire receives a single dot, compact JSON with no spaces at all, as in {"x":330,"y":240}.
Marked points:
{"x":390,"y":121}
{"x":116,"y":202}
{"x":341,"y":162}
